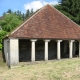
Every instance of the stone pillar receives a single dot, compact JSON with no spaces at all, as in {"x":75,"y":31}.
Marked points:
{"x":14,"y":52}
{"x":79,"y":48}
{"x":70,"y":48}
{"x":58,"y":49}
{"x":46,"y":50}
{"x":33,"y":49}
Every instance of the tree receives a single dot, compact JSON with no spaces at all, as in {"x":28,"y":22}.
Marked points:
{"x":10,"y":21}
{"x":31,"y":11}
{"x":4,"y":13}
{"x":9,"y":11}
{"x":23,"y":16}
{"x":27,"y":13}
{"x":2,"y":35}
{"x":70,"y":8}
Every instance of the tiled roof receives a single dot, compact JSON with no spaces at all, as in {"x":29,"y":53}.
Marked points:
{"x":48,"y":22}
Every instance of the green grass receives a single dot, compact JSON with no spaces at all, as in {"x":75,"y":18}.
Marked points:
{"x":64,"y":69}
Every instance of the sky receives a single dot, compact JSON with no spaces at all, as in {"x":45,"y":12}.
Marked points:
{"x":23,"y":5}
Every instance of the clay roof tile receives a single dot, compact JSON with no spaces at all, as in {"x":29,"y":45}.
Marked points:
{"x":48,"y":22}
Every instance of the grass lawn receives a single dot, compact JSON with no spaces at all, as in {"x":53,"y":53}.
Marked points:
{"x":64,"y":69}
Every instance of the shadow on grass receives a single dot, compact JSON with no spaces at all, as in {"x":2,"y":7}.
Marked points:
{"x":2,"y":63}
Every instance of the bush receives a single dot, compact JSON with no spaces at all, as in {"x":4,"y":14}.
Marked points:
{"x":2,"y":35}
{"x":0,"y":46}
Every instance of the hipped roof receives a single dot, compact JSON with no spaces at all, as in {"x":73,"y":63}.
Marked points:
{"x":48,"y":22}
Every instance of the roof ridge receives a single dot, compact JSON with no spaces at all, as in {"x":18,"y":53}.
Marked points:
{"x":29,"y":19}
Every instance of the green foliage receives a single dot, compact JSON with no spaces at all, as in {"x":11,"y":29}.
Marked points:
{"x":29,"y":13}
{"x":13,"y":19}
{"x":9,"y":22}
{"x":9,"y":11}
{"x":2,"y":35}
{"x":0,"y":46}
{"x":23,"y":16}
{"x":70,"y":8}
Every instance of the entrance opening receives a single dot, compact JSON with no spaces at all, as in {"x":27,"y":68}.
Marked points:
{"x":75,"y":48}
{"x":52,"y":52}
{"x":24,"y":50}
{"x":39,"y":47}
{"x":65,"y":49}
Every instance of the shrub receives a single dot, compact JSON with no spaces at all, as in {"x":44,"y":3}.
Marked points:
{"x":0,"y":46}
{"x":2,"y":35}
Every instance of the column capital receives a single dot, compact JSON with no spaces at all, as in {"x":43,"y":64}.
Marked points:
{"x":47,"y":40}
{"x":33,"y":40}
{"x":59,"y":40}
{"x":71,"y":40}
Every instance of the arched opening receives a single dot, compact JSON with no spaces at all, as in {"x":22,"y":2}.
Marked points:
{"x":52,"y":50}
{"x":65,"y":49}
{"x":39,"y":50}
{"x":75,"y":48}
{"x":24,"y":50}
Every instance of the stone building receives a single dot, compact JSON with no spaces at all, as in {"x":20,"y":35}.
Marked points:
{"x":46,"y":35}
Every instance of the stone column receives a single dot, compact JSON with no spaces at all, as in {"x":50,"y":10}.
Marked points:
{"x":14,"y":52}
{"x":70,"y":48}
{"x":46,"y":50}
{"x":58,"y":49}
{"x":79,"y":48}
{"x":33,"y":49}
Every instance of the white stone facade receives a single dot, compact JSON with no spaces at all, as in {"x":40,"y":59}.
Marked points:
{"x":11,"y":50}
